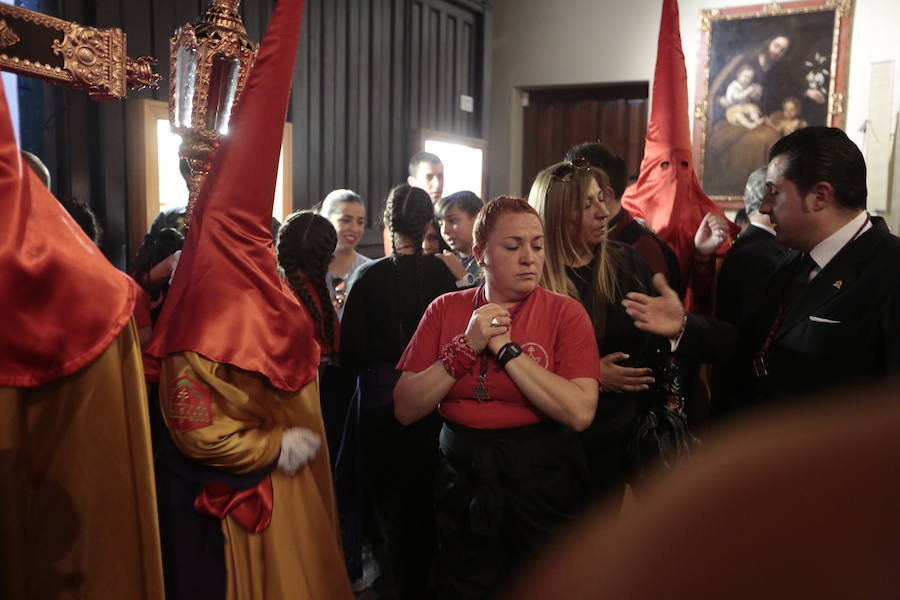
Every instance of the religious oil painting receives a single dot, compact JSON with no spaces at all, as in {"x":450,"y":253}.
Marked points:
{"x":765,"y":71}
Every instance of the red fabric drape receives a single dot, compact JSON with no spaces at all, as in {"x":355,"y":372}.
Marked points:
{"x":62,"y":303}
{"x":251,"y":507}
{"x":667,"y":193}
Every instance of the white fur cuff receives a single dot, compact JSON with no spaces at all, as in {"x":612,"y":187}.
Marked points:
{"x":299,"y":445}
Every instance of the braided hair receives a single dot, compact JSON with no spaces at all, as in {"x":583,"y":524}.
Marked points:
{"x":305,"y":244}
{"x":408,"y":211}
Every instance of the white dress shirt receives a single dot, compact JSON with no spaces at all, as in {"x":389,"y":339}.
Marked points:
{"x":828,"y":248}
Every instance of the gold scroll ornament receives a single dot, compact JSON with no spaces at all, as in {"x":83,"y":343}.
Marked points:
{"x":85,"y":58}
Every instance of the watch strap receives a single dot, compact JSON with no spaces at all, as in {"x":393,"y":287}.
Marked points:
{"x":508,"y":352}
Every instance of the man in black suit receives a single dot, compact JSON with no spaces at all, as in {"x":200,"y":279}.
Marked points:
{"x":742,"y":279}
{"x":831,"y":313}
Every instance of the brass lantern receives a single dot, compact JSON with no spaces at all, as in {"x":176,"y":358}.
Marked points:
{"x":209,"y":64}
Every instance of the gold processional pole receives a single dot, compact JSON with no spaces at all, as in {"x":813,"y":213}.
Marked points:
{"x":66,"y":53}
{"x":209,"y":64}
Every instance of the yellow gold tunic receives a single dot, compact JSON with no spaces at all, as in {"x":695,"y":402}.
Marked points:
{"x":77,"y":502}
{"x":239,"y":430}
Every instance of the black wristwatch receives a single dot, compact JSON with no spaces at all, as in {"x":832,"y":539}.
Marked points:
{"x":508,"y":352}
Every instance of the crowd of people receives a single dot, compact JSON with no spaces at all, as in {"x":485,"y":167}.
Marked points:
{"x":478,"y":398}
{"x":422,"y":423}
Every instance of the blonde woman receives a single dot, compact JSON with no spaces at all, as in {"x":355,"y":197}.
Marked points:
{"x":637,"y":372}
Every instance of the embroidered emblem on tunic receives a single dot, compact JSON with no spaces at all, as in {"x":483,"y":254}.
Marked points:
{"x":189,"y":405}
{"x":537,"y":354}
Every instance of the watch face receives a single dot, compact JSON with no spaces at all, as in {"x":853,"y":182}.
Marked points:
{"x":508,"y":352}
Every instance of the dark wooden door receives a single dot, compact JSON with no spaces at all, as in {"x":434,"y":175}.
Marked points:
{"x":557,"y":119}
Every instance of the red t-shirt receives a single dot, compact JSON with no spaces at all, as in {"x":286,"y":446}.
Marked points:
{"x":552,"y":329}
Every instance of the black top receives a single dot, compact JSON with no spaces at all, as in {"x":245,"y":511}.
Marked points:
{"x":384,"y":305}
{"x":657,"y":254}
{"x":616,"y":332}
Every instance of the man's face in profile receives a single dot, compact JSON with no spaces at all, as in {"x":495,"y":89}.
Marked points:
{"x":430,"y":177}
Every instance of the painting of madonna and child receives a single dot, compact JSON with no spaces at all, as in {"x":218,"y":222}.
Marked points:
{"x":769,"y":75}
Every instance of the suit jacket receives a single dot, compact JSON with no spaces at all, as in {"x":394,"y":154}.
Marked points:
{"x":842,"y":329}
{"x":741,"y":284}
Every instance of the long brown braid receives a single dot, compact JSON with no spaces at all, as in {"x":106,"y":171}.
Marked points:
{"x":408,"y":211}
{"x":305,"y":245}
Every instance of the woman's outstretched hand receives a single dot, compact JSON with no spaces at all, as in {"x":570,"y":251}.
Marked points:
{"x":617,"y":378}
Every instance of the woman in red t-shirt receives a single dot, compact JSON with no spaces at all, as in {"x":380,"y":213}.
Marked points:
{"x":512,"y":368}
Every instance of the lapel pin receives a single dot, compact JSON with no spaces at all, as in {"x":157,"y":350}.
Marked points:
{"x":837,"y":284}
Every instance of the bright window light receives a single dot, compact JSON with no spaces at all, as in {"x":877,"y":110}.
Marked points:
{"x":172,"y":188}
{"x":462,"y":166}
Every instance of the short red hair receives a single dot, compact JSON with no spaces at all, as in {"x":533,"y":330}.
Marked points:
{"x":486,"y":219}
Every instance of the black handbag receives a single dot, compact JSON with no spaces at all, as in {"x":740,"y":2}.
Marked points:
{"x":660,"y":435}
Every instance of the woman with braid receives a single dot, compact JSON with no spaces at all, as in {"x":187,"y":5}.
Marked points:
{"x":386,"y":300}
{"x":305,"y":246}
{"x":306,"y":243}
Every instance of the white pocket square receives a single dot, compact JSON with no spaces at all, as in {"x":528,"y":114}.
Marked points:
{"x":823,"y":320}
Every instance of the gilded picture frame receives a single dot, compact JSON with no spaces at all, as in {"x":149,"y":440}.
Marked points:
{"x":764,"y":71}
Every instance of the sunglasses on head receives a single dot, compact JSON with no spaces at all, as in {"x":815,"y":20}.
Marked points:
{"x":566,"y":172}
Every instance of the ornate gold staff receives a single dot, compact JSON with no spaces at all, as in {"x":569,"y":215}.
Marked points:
{"x":66,"y":53}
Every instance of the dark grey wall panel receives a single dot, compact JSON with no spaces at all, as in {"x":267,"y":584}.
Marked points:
{"x":369,"y":72}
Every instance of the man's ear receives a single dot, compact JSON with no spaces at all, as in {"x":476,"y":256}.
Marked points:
{"x":610,"y":194}
{"x":412,"y":181}
{"x":821,"y":196}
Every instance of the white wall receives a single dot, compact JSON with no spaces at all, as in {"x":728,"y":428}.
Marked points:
{"x":563,"y":42}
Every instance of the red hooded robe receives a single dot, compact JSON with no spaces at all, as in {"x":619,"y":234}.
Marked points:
{"x":667,"y":193}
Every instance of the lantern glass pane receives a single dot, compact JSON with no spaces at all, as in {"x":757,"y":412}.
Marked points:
{"x":185,"y":78}
{"x":223,"y":82}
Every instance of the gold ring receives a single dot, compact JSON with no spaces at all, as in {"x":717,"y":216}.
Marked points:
{"x":495,"y":322}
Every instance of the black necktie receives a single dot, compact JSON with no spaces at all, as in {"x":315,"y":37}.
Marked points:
{"x":801,"y":277}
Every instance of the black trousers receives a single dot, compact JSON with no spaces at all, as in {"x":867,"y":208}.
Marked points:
{"x":400,"y":465}
{"x":501,"y":495}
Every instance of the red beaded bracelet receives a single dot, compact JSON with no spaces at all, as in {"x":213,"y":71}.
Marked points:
{"x":457,"y":356}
